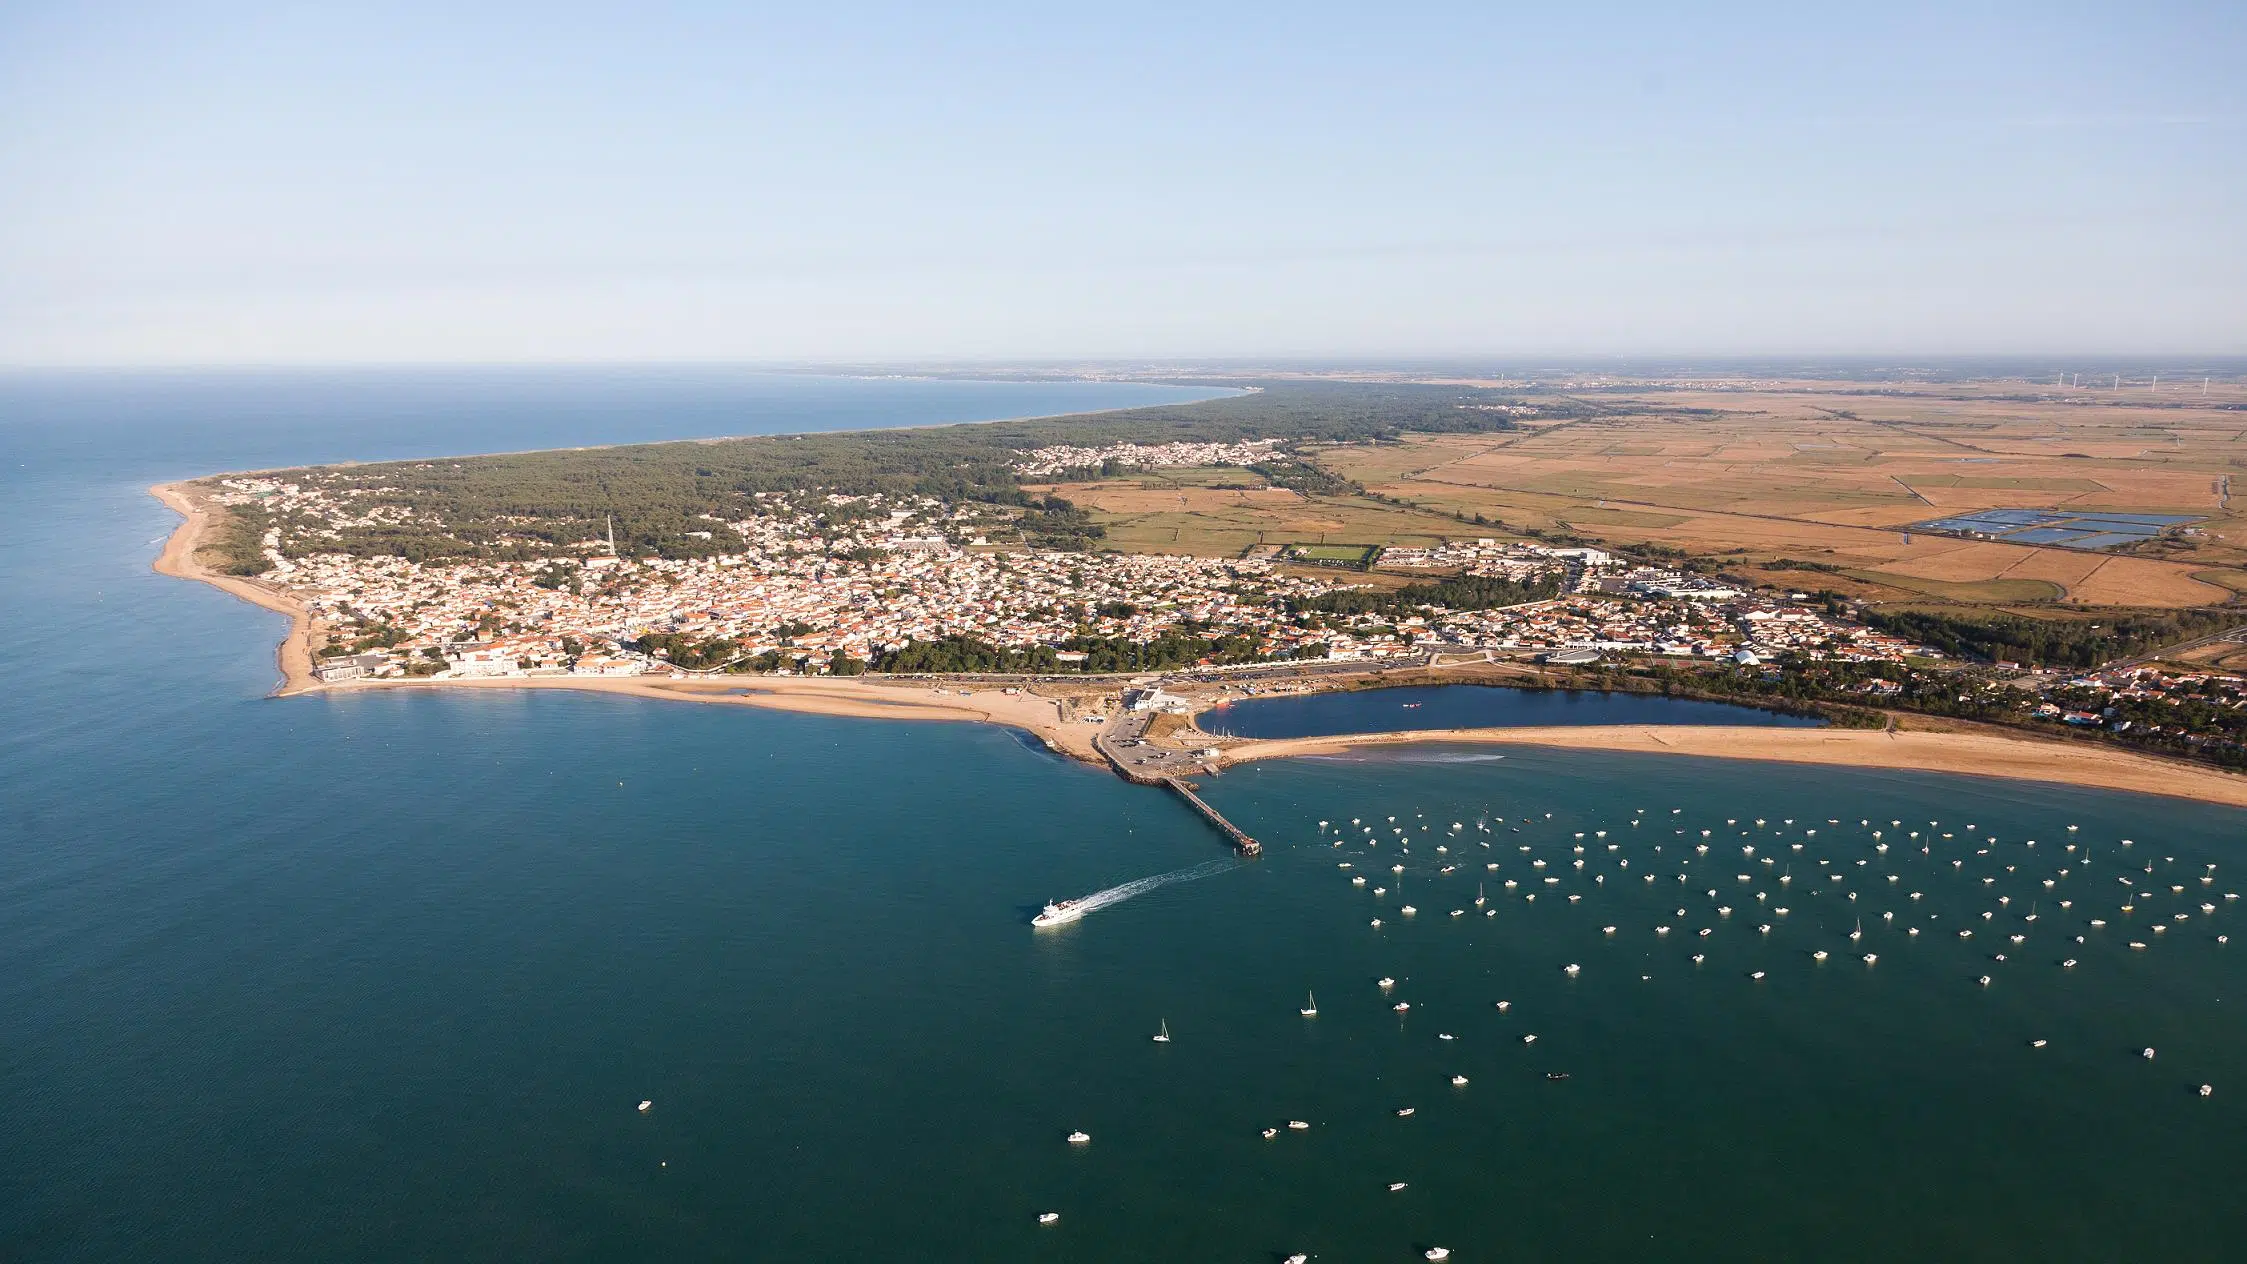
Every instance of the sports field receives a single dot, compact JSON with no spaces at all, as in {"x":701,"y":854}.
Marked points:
{"x":1337,"y":554}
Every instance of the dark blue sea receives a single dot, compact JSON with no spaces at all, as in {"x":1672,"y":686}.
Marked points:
{"x":386,"y":976}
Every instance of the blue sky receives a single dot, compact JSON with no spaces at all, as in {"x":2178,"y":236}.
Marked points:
{"x":217,"y":183}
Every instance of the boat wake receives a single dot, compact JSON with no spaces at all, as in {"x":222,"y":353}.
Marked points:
{"x":1116,"y":895}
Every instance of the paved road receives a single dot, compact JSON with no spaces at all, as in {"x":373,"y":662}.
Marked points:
{"x":2228,"y":634}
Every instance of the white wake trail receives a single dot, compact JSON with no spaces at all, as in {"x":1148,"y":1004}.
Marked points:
{"x":1116,"y":895}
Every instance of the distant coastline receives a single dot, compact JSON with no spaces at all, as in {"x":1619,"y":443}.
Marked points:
{"x":1962,"y":753}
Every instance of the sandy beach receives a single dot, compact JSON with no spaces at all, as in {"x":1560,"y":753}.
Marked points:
{"x":178,"y":560}
{"x":1981,"y":753}
{"x":823,"y":695}
{"x":814,"y":695}
{"x":1963,"y":754}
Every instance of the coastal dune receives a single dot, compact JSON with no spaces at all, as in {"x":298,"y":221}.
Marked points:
{"x":1969,"y":754}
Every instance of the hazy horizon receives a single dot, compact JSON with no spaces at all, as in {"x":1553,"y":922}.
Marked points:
{"x":211,"y":185}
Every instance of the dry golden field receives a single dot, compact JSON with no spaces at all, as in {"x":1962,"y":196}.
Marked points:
{"x":1831,"y":477}
{"x":1819,"y":473}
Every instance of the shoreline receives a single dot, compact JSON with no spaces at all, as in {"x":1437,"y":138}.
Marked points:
{"x":1976,"y":754}
{"x":1964,"y":754}
{"x":294,"y":655}
{"x":851,"y":696}
{"x":860,"y":697}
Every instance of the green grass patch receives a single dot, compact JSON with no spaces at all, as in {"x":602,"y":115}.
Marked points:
{"x":1987,"y":592}
{"x":2233,"y":580}
{"x":1355,"y":555}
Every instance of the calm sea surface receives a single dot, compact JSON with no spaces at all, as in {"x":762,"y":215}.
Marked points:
{"x":1470,"y":706}
{"x":385,"y":976}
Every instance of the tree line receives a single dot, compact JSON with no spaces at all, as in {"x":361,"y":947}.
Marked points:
{"x":522,"y":506}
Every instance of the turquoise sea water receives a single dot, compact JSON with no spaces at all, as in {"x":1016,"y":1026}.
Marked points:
{"x":386,"y":976}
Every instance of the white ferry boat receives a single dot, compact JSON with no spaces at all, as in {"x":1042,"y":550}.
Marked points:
{"x":1058,"y":912}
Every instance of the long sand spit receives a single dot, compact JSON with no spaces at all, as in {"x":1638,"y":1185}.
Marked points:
{"x":1972,"y":754}
{"x":1968,"y":754}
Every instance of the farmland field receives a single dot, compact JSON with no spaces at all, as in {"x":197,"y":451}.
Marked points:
{"x":1838,"y":476}
{"x":1826,"y":474}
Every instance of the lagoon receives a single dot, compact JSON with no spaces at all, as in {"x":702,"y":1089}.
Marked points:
{"x":1413,"y":707}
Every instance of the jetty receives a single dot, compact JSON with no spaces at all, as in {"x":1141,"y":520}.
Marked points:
{"x":1242,"y":843}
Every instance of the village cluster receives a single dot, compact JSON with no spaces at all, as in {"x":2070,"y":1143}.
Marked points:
{"x":2147,"y":702}
{"x":1047,"y":462}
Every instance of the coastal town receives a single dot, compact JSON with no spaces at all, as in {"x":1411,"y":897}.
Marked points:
{"x":803,"y":589}
{"x":820,"y":583}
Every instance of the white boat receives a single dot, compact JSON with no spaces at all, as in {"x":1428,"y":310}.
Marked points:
{"x":1057,"y":912}
{"x":1048,"y":1217}
{"x":1458,"y":1081}
{"x":1438,"y":1253}
{"x":1311,"y":1005}
{"x":1297,"y":1125}
{"x":1396,"y":1186}
{"x":646,"y":1106}
{"x":1404,"y":1112}
{"x":1163,"y":1037}
{"x":1079,"y":1138}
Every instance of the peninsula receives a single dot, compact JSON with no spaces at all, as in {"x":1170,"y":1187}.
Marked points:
{"x":1036,"y":574}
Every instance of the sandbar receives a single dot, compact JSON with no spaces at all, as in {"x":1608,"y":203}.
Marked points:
{"x":1975,"y":754}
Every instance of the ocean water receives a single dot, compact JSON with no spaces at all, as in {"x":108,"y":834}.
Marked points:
{"x":386,"y":976}
{"x":1471,"y":706}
